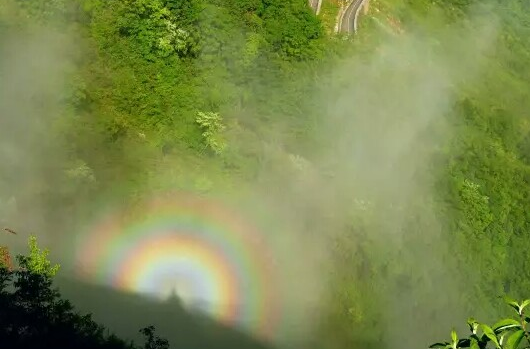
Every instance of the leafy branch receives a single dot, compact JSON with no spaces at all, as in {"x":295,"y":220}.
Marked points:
{"x":505,"y":334}
{"x":212,"y":126}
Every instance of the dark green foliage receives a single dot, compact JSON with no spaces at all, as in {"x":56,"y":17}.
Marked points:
{"x":153,"y":341}
{"x":292,"y":29}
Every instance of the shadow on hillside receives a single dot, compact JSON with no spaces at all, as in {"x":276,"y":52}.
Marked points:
{"x":124,"y":314}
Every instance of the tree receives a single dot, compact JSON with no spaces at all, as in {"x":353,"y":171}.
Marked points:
{"x":33,"y":314}
{"x":505,"y":334}
{"x":5,"y":258}
{"x":153,"y":341}
{"x":212,"y":125}
{"x":37,"y":262}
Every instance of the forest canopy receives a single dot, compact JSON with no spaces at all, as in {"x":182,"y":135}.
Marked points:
{"x":396,"y":162}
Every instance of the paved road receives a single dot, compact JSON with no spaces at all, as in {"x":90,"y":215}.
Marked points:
{"x":348,"y":21}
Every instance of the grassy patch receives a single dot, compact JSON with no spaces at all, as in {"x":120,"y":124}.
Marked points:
{"x":381,"y":15}
{"x":328,"y":14}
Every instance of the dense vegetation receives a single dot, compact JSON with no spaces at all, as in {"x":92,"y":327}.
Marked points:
{"x":220,"y":97}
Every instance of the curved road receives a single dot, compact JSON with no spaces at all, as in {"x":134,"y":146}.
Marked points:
{"x":348,"y":20}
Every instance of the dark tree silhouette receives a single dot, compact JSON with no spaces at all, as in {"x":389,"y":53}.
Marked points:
{"x":33,"y":314}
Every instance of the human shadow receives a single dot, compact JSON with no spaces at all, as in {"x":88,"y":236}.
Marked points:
{"x":124,"y":313}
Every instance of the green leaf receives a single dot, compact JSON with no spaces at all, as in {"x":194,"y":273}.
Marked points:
{"x":514,"y":340}
{"x":512,"y":303}
{"x":501,"y":338}
{"x":474,"y":344}
{"x":488,"y":332}
{"x":454,"y":337}
{"x":505,"y":324}
{"x":524,"y":304}
{"x":473,"y":325}
{"x":439,"y":345}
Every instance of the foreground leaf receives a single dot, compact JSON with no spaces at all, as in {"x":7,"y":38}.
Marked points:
{"x":488,"y":332}
{"x":505,"y":324}
{"x":524,"y":304}
{"x":514,"y":340}
{"x":473,"y":325}
{"x":454,"y":337}
{"x":512,"y":303}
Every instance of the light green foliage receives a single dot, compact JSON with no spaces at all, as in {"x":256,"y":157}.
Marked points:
{"x":173,"y":40}
{"x":212,"y":125}
{"x":203,"y":184}
{"x":299,"y":163}
{"x":37,"y":261}
{"x":475,"y":206}
{"x":152,"y":26}
{"x":251,"y":50}
{"x":45,"y":10}
{"x":81,"y":172}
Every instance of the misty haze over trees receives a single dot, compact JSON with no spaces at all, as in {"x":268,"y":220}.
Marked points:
{"x":389,"y":170}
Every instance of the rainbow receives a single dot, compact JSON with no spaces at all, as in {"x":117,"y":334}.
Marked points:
{"x":196,"y":248}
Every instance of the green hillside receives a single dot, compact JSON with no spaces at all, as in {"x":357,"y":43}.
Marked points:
{"x":396,"y":160}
